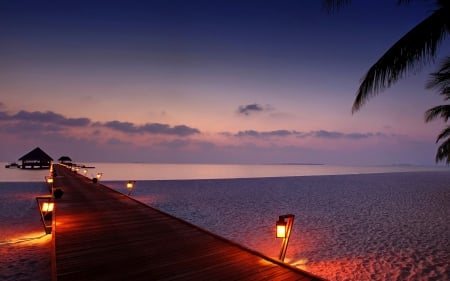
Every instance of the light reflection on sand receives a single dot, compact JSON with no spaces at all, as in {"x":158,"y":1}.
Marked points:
{"x":352,"y":227}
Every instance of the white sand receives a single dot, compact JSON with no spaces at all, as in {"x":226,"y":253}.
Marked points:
{"x":355,"y":227}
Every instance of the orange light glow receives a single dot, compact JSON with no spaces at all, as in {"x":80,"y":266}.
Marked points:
{"x":130,"y":184}
{"x":99,"y":175}
{"x":281,"y":230}
{"x":49,"y":180}
{"x":47,"y":207}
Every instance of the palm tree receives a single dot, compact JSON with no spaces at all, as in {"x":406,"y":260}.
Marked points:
{"x":441,"y":81}
{"x":416,"y":48}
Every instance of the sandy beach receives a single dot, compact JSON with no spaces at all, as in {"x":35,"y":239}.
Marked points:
{"x":347,"y":227}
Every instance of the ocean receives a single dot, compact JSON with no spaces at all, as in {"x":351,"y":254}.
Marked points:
{"x":149,"y":171}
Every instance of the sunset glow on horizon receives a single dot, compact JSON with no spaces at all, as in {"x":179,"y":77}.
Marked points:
{"x":209,"y":82}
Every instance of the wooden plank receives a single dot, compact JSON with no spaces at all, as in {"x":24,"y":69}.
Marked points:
{"x":100,"y":234}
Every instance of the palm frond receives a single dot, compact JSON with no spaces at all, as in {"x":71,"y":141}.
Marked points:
{"x":442,"y":111}
{"x":440,"y":80}
{"x":443,"y":152}
{"x":444,"y":134}
{"x":415,"y":49}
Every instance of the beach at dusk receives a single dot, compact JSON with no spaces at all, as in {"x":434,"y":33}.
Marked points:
{"x":227,"y":114}
{"x":380,"y":226}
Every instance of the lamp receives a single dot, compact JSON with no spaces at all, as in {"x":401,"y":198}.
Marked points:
{"x":283,"y":230}
{"x":49,"y":181}
{"x":130,"y":186}
{"x":97,"y":177}
{"x":46,"y":208}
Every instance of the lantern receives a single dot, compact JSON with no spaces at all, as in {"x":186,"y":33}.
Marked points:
{"x":46,"y":209}
{"x":281,"y":228}
{"x":130,"y":186}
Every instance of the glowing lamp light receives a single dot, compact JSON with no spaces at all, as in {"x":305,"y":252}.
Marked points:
{"x":46,"y":209}
{"x":281,"y":228}
{"x":99,"y":175}
{"x":85,"y":171}
{"x":49,"y":180}
{"x":130,"y":186}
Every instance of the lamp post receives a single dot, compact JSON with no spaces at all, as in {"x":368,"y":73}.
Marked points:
{"x":283,"y":230}
{"x":130,"y":186}
{"x":46,"y":207}
{"x":97,"y":177}
{"x":49,"y":181}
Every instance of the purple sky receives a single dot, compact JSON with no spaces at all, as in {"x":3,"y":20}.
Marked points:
{"x":208,"y":82}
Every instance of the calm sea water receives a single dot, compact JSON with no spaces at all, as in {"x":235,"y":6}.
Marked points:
{"x":147,"y":171}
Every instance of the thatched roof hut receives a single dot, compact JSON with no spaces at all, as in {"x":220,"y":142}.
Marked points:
{"x":36,"y":159}
{"x":65,"y":160}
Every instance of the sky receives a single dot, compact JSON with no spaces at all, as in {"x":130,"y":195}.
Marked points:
{"x":209,"y":81}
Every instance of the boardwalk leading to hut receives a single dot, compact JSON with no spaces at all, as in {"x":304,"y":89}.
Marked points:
{"x":100,"y":234}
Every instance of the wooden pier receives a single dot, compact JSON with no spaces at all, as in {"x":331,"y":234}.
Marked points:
{"x":100,"y":234}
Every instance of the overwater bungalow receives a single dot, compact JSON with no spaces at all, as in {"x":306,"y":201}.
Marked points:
{"x":36,"y":159}
{"x":65,"y":160}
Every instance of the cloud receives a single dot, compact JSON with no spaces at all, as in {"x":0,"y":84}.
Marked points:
{"x":152,"y":128}
{"x":323,"y":134}
{"x":339,"y":135}
{"x":51,"y":121}
{"x":253,"y":108}
{"x":276,"y":133}
{"x":45,"y":117}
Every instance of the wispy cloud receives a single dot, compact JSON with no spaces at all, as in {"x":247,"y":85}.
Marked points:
{"x":45,"y":117}
{"x":323,"y":134}
{"x":277,"y":133}
{"x":27,"y":121}
{"x":339,"y":135}
{"x":151,"y":128}
{"x":253,"y":108}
